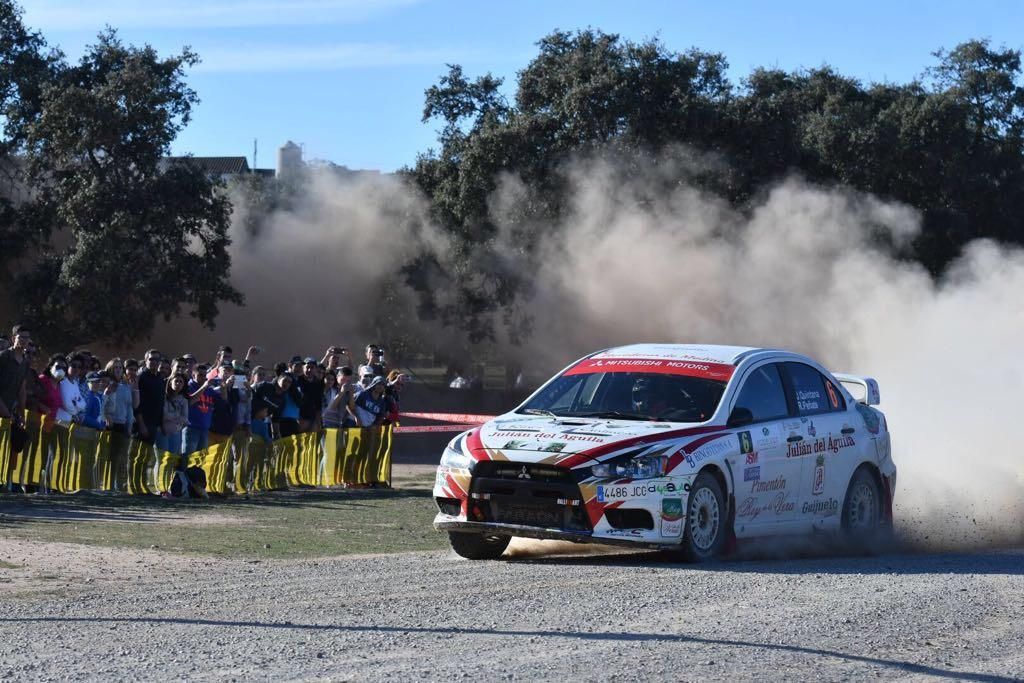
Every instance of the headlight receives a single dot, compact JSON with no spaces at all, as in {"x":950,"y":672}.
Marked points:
{"x":639,"y":468}
{"x":453,"y":458}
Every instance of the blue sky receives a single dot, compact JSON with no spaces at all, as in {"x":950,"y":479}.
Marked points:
{"x":345,"y":78}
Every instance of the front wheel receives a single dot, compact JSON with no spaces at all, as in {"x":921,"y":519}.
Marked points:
{"x":478,"y":546}
{"x":704,"y":536}
{"x":863,"y":521}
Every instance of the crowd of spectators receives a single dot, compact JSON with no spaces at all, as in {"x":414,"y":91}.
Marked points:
{"x":182,"y":405}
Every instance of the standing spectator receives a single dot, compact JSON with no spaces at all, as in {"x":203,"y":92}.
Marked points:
{"x":393,"y":396}
{"x":14,"y":365}
{"x":119,"y":411}
{"x":92,"y":415}
{"x":459,"y":382}
{"x":49,"y":381}
{"x":240,"y":397}
{"x":267,"y":399}
{"x":119,"y":404}
{"x":200,"y":412}
{"x":222,"y":421}
{"x":334,"y":357}
{"x":176,"y":402}
{"x":5,"y":342}
{"x":71,"y":401}
{"x":340,"y":410}
{"x":164,"y":369}
{"x":286,"y":418}
{"x":312,"y":390}
{"x":374,"y":364}
{"x":152,"y":387}
{"x":370,"y":403}
{"x":331,"y":414}
{"x":295,"y":366}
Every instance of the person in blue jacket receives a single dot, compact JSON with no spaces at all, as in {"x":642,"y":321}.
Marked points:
{"x":93,"y":415}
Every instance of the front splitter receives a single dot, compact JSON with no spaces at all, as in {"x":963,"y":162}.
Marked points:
{"x":545,"y":534}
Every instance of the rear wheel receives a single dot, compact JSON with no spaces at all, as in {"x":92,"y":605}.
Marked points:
{"x":863,"y":520}
{"x":478,"y":546}
{"x":704,"y":536}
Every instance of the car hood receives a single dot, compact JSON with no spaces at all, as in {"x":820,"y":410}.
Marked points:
{"x":535,"y":439}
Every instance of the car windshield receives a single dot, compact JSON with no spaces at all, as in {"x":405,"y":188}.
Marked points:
{"x":628,"y":396}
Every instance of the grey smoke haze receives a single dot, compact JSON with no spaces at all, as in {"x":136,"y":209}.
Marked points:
{"x":630,"y":263}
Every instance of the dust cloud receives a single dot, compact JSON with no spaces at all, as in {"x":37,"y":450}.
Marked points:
{"x":643,"y":256}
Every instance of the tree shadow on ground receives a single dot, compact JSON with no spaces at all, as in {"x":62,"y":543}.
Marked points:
{"x":826,"y":560}
{"x":87,"y":506}
{"x":893,"y":666}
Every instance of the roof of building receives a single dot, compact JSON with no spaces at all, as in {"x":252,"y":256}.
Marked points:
{"x":217,"y":165}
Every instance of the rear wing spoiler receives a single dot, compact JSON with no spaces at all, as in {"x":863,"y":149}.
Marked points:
{"x":868,"y":394}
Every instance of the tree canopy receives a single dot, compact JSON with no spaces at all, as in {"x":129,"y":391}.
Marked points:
{"x":105,"y":237}
{"x":948,"y":143}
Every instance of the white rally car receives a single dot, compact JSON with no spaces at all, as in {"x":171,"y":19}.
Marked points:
{"x":673,"y":446}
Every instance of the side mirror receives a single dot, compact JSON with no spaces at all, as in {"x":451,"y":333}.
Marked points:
{"x":740,"y":416}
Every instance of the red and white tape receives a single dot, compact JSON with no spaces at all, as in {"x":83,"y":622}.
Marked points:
{"x":461,"y":418}
{"x":433,"y":428}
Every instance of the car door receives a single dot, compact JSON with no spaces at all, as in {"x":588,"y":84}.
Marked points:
{"x":766,"y":481}
{"x":825,"y":439}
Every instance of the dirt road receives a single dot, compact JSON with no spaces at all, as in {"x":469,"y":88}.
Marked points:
{"x":75,"y":613}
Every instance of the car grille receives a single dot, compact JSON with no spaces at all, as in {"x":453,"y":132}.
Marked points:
{"x":529,"y":495}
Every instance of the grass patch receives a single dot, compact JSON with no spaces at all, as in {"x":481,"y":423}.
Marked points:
{"x":294,"y":524}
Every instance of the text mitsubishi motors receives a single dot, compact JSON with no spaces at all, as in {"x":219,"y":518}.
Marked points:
{"x":673,"y":446}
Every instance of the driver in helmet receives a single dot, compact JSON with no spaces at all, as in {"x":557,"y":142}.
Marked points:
{"x":646,"y":399}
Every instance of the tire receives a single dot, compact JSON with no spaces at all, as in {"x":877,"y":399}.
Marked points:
{"x":704,"y":531}
{"x":474,"y":546}
{"x":864,"y":525}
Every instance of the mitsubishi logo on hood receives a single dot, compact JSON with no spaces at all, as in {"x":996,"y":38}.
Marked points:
{"x":524,"y":473}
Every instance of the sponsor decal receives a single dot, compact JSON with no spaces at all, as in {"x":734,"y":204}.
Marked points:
{"x":767,"y":438}
{"x":554,"y":447}
{"x":825,"y":507}
{"x":769,"y":485}
{"x":719,"y":371}
{"x":752,"y":474}
{"x":708,"y":450}
{"x":871,"y":420}
{"x":832,"y":397}
{"x":792,"y":425}
{"x":819,"y":476}
{"x":746,"y":443}
{"x":808,"y":400}
{"x":751,"y":508}
{"x":624,"y":532}
{"x":545,"y":436}
{"x":827,"y":444}
{"x":671,"y":516}
{"x":811,"y":429}
{"x":513,"y":444}
{"x":441,"y":478}
{"x":752,"y":458}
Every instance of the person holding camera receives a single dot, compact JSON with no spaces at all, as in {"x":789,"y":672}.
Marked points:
{"x":374,"y":365}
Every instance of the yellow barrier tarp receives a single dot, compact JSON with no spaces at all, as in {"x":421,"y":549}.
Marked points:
{"x":5,"y":449}
{"x":80,"y":458}
{"x":214,"y":462}
{"x":367,"y":456}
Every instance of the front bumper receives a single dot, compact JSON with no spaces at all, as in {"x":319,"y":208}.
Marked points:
{"x":446,"y":523}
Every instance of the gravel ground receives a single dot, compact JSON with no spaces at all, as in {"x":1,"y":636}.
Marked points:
{"x":74,"y":613}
